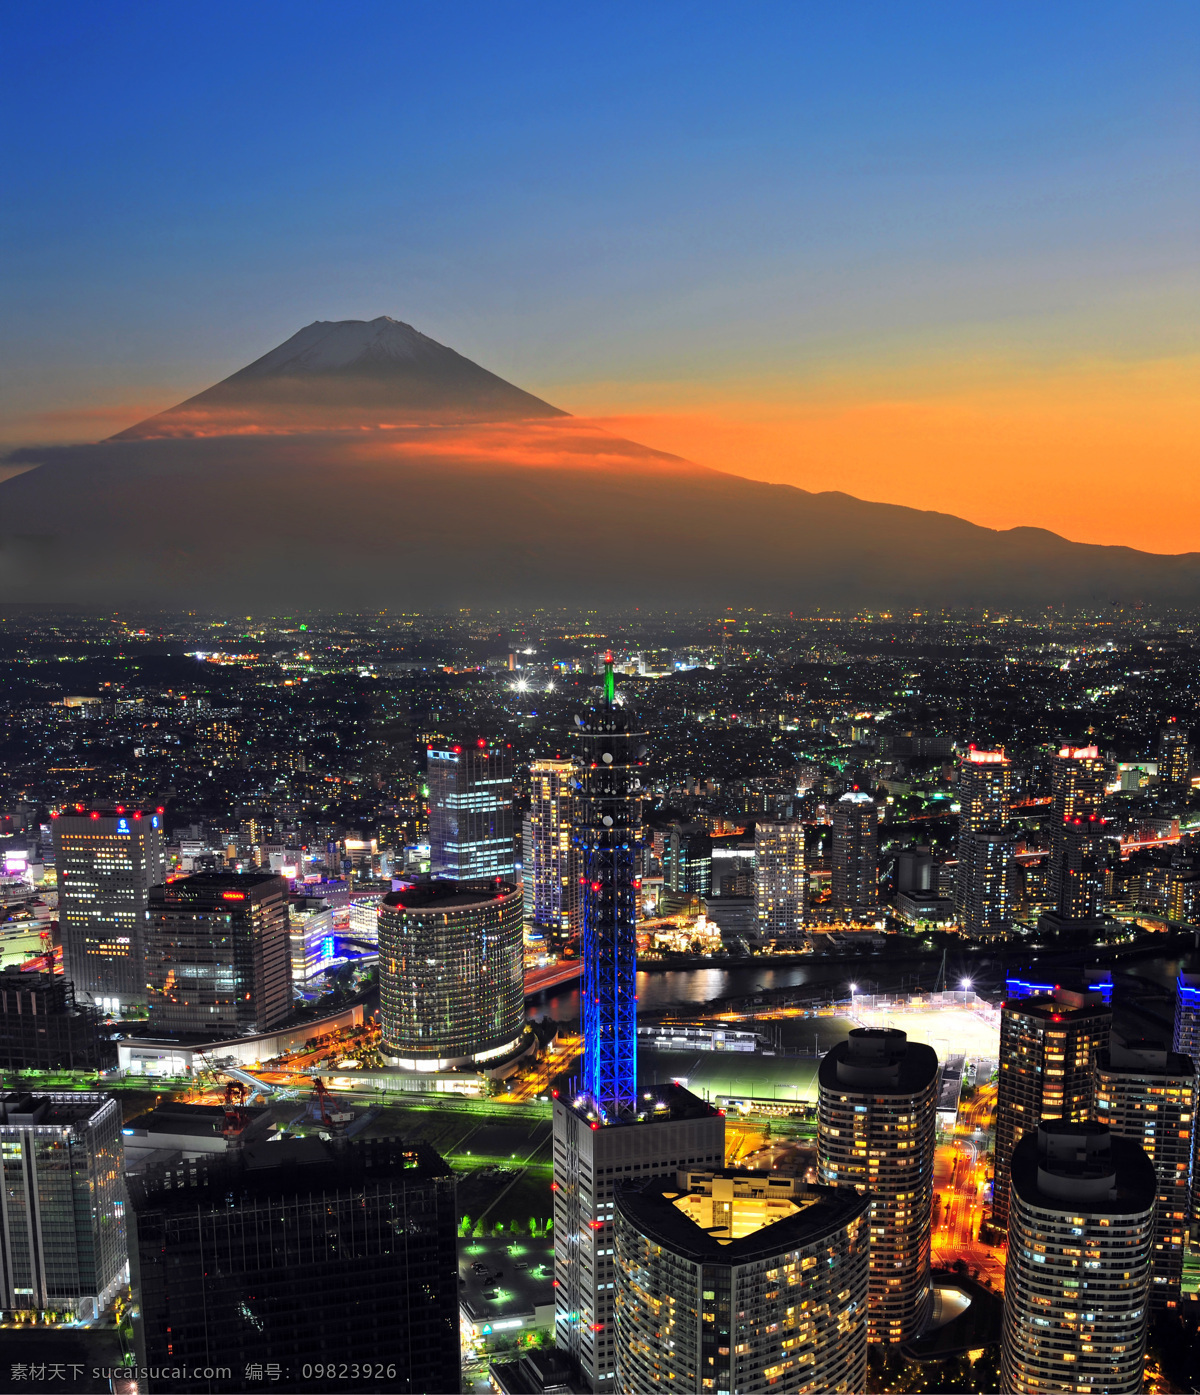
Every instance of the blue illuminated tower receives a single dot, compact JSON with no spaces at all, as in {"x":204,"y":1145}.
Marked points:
{"x":605,"y":1127}
{"x":609,"y":828}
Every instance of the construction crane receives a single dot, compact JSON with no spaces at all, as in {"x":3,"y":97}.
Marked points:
{"x":235,"y":1108}
{"x":327,"y":1111}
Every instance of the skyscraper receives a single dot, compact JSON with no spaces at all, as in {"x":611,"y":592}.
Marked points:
{"x":1175,"y":757}
{"x":855,"y":856}
{"x":106,"y":861}
{"x":1076,"y":791}
{"x":876,"y":1131}
{"x":1077,"y":868}
{"x":687,"y":859}
{"x":218,"y":954}
{"x":739,"y":1281}
{"x":1077,"y":1280}
{"x":451,"y":973}
{"x":549,"y":869}
{"x":607,"y":1127}
{"x":672,"y":1130}
{"x":471,"y":811}
{"x":779,"y":881}
{"x":984,"y":791}
{"x":1048,"y":1046}
{"x":314,"y":1256}
{"x":1187,"y":1043}
{"x":1147,"y":1094}
{"x":982,"y":883}
{"x":62,"y":1204}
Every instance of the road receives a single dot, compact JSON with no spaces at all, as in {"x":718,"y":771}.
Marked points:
{"x":960,"y":1179}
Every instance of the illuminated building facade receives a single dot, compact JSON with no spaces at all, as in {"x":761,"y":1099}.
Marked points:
{"x":549,"y":866}
{"x":856,"y":855}
{"x":983,"y":882}
{"x":451,"y":973}
{"x":687,"y":859}
{"x":1076,"y":791}
{"x":1147,"y":1094}
{"x":877,"y":1117}
{"x":106,"y":861}
{"x":984,"y":796}
{"x":471,"y":811}
{"x":740,"y":1281}
{"x":1048,"y":1047}
{"x":1186,"y":1042}
{"x":1077,"y":867}
{"x":302,"y":1254}
{"x":670,"y":1130}
{"x":1077,"y":1279}
{"x":607,"y":1128}
{"x":1175,"y":757}
{"x":218,"y":955}
{"x":62,"y":1204}
{"x":779,"y":881}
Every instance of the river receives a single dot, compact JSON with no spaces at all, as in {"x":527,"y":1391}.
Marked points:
{"x":1145,"y":981}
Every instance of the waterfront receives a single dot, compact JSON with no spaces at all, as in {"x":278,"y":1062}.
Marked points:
{"x":1144,"y":982}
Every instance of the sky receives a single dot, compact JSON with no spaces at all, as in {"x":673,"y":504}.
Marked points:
{"x":942,"y":255}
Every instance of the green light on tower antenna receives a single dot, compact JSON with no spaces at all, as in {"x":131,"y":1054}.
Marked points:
{"x":610,"y":683}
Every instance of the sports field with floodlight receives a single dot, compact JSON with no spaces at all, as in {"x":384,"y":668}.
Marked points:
{"x":969,"y":1028}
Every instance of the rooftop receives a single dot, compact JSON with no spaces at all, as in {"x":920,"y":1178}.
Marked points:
{"x":447,"y":895}
{"x":735,"y":1217}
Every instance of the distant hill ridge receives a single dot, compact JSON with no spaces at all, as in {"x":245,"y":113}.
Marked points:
{"x":363,"y":465}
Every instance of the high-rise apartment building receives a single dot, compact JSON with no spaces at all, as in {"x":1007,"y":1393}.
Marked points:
{"x":779,"y":881}
{"x":1175,"y":757}
{"x":62,"y":1204}
{"x":740,"y":1281}
{"x":106,"y":861}
{"x":42,"y":1027}
{"x":1147,"y":1094}
{"x":687,"y":859}
{"x":1077,"y":1279}
{"x":549,"y":865}
{"x":471,"y":811}
{"x":607,"y":1127}
{"x":218,"y":954}
{"x":984,"y":792}
{"x":855,"y":856}
{"x":876,"y":1131}
{"x":1076,"y":791}
{"x":315,"y":1257}
{"x":1048,"y":1047}
{"x":982,"y":883}
{"x":1186,"y":1042}
{"x":1077,"y":868}
{"x":451,"y":973}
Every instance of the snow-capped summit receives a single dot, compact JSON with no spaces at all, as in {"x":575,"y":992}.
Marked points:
{"x":337,"y":346}
{"x":345,"y":375}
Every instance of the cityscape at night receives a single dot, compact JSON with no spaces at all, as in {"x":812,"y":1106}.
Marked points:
{"x":599,"y":699}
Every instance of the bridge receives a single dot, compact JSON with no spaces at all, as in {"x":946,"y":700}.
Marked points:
{"x":538,"y":980}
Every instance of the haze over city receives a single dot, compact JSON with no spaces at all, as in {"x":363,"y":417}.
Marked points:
{"x":599,"y":700}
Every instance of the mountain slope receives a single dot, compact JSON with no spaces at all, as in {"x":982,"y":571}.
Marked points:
{"x":326,"y":522}
{"x":344,"y":375}
{"x":363,"y":465}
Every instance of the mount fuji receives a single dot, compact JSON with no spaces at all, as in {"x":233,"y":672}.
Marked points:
{"x":363,"y":465}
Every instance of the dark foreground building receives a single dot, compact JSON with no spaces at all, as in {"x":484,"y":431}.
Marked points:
{"x":42,"y":1027}
{"x":336,"y":1263}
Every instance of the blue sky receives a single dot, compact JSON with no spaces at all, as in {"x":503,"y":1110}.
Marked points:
{"x":613,"y":204}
